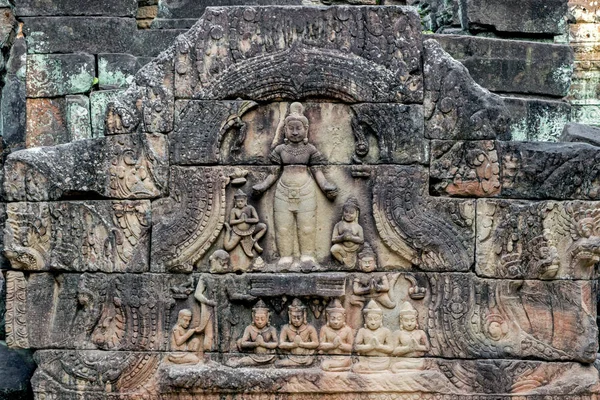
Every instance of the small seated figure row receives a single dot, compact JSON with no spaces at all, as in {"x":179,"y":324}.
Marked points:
{"x":378,"y":348}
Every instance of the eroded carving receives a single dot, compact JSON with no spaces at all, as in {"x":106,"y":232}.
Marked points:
{"x":348,"y":236}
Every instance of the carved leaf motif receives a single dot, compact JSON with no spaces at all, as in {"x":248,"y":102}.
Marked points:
{"x":411,"y":226}
{"x":16,"y":312}
{"x":28,"y":235}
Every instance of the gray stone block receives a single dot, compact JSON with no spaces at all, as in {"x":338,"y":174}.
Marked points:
{"x":98,"y":105}
{"x":506,"y":65}
{"x":537,"y":120}
{"x":574,"y":132}
{"x":79,"y":123}
{"x":51,"y":75}
{"x":118,"y":70}
{"x":35,"y":8}
{"x":16,"y":369}
{"x":516,"y":16}
{"x":13,"y":104}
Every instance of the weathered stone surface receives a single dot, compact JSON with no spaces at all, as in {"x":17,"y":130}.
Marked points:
{"x":581,"y":133}
{"x":519,"y":17}
{"x":50,"y":75}
{"x":118,"y":70}
{"x":245,"y":132}
{"x":79,"y":122}
{"x":122,"y":167}
{"x":35,"y":8}
{"x":537,"y":240}
{"x":465,"y":168}
{"x":16,"y":369}
{"x":537,"y":120}
{"x":95,"y":34}
{"x":3,"y":261}
{"x":46,"y":123}
{"x":59,"y":374}
{"x":189,"y":225}
{"x":505,"y":66}
{"x":387,"y":54}
{"x":13,"y":104}
{"x":460,"y":315}
{"x":195,"y":8}
{"x":2,"y":306}
{"x":539,"y":170}
{"x":455,"y":106}
{"x":108,"y":236}
{"x":521,"y":170}
{"x":586,"y":114}
{"x":438,"y":15}
{"x":99,"y":101}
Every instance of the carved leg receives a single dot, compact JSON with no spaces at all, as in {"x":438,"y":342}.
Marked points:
{"x":261,"y":229}
{"x":285,"y":229}
{"x":231,"y":240}
{"x":338,"y":252}
{"x":307,"y":222}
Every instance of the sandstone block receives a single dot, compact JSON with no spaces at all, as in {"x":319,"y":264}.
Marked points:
{"x":118,"y":70}
{"x":537,"y":120}
{"x":190,"y":224}
{"x":246,"y":132}
{"x":99,"y":101}
{"x":13,"y":103}
{"x":501,"y":65}
{"x":46,"y":122}
{"x":78,"y":117}
{"x":94,"y":34}
{"x":108,"y":236}
{"x":459,"y":315}
{"x":122,"y":167}
{"x":529,"y":16}
{"x":455,"y":106}
{"x":36,"y":8}
{"x":17,"y":367}
{"x":574,"y":132}
{"x":50,"y":75}
{"x":537,"y":240}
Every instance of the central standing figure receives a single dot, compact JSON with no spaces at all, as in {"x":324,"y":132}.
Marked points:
{"x":295,"y":202}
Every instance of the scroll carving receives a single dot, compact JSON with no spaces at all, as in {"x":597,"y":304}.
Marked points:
{"x":16,"y":310}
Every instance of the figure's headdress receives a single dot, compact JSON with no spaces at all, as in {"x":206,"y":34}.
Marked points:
{"x":367,"y":251}
{"x":372,"y":307}
{"x":351,"y":202}
{"x":260,"y":306}
{"x":297,"y":114}
{"x":335,"y":305}
{"x":240,"y":194}
{"x":296,"y":306}
{"x":407,"y":309}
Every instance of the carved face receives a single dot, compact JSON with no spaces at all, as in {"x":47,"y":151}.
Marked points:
{"x":350,"y":214}
{"x":336,"y":320}
{"x":184,"y":321}
{"x":408,"y":322}
{"x":373,"y":320}
{"x":295,"y":131}
{"x":260,"y":319}
{"x":367,"y":264}
{"x":240,"y":202}
{"x":297,"y":318}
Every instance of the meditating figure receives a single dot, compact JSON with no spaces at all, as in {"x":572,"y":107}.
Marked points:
{"x":299,"y":339}
{"x":336,"y":339}
{"x":259,"y":338}
{"x":409,"y":341}
{"x":373,"y":342}
{"x":347,"y":237}
{"x":295,"y":203}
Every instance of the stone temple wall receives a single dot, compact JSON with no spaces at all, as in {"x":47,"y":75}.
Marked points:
{"x":270,"y":199}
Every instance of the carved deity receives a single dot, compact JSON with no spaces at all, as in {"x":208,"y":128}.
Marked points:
{"x":259,"y":338}
{"x":375,"y":288}
{"x":295,"y":202}
{"x":336,"y":339}
{"x":244,"y":227}
{"x":183,"y":340}
{"x":298,"y":339}
{"x":373,"y":342}
{"x":207,"y":315}
{"x":367,"y":261}
{"x":219,"y":262}
{"x":347,"y":234}
{"x":409,"y":340}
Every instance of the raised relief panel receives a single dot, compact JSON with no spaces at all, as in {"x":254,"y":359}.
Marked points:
{"x":107,"y":236}
{"x":263,"y":53}
{"x":538,"y":240}
{"x":120,"y":167}
{"x":243,"y":132}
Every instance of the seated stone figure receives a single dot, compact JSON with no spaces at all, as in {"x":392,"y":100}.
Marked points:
{"x":373,"y":342}
{"x":347,"y":234}
{"x":298,"y":339}
{"x":182,"y":340}
{"x":336,"y":339}
{"x":259,"y":338}
{"x":409,"y":341}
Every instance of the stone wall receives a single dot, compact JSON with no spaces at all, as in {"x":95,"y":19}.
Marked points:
{"x":128,"y":218}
